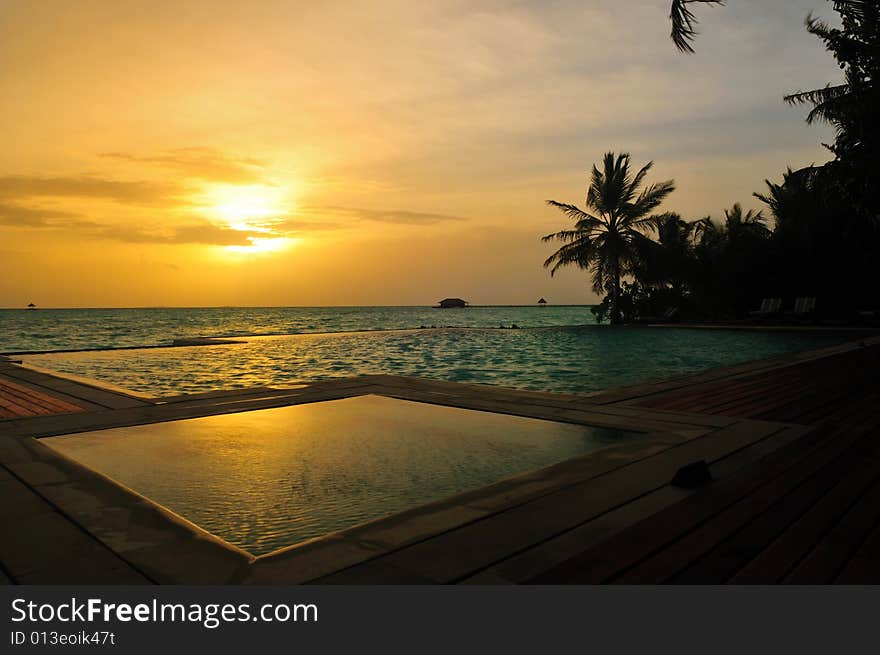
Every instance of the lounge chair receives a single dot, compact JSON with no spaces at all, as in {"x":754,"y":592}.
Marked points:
{"x":769,"y":307}
{"x":668,"y":316}
{"x":804,"y":308}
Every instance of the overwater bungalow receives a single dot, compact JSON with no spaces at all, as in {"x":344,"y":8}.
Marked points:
{"x":451,"y":303}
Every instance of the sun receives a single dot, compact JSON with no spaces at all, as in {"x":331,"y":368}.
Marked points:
{"x":247,"y":207}
{"x":254,"y":208}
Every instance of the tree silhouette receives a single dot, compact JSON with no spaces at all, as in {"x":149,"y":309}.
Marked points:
{"x":606,"y":236}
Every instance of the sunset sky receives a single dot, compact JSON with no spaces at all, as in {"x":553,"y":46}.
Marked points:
{"x":378,"y":153}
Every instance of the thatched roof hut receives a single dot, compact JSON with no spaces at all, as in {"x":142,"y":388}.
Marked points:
{"x":542,"y":302}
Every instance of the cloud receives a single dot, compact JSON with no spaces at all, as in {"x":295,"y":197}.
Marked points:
{"x":130,"y":192}
{"x":201,"y":163}
{"x":20,"y":216}
{"x":204,"y":233}
{"x":291,"y":225}
{"x":399,"y":216}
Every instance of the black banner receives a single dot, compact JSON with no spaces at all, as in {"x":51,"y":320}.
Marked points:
{"x":439,"y":619}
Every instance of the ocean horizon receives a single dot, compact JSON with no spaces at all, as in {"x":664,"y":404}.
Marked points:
{"x":48,"y":329}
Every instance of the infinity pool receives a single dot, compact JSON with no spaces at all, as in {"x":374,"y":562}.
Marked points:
{"x":267,"y":479}
{"x":571,"y":360}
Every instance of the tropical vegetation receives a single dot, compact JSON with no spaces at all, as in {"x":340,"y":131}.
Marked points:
{"x":818,"y":236}
{"x":606,"y":236}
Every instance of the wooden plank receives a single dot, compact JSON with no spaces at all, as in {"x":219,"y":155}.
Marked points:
{"x":829,"y":404}
{"x":864,"y":566}
{"x":719,"y":548}
{"x":16,"y":392}
{"x":656,"y":534}
{"x":776,"y":395}
{"x":808,"y":410}
{"x":29,"y":402}
{"x":13,"y":409}
{"x":829,"y":556}
{"x":713,"y":397}
{"x":705,"y":386}
{"x":84,"y":404}
{"x":750,"y":404}
{"x":35,"y":406}
{"x":705,"y":395}
{"x":839,"y":388}
{"x":772,"y":564}
{"x":77,"y":390}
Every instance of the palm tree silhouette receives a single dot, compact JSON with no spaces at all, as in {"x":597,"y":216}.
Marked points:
{"x":669,"y":259}
{"x":606,"y":238}
{"x":739,"y":226}
{"x":855,"y":47}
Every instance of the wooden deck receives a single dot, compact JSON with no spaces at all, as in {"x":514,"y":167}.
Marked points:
{"x":792,"y":444}
{"x":18,"y":401}
{"x":808,"y":514}
{"x":26,"y":392}
{"x":807,"y":392}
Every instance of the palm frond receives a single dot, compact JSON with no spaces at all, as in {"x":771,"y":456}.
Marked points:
{"x":563,"y":235}
{"x":579,"y":252}
{"x":819,"y":27}
{"x":829,"y":102}
{"x":572,"y":211}
{"x":817,"y":96}
{"x":639,"y":177}
{"x":684,"y":23}
{"x":607,"y":186}
{"x":649,"y":199}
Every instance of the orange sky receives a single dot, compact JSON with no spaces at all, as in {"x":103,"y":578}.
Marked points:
{"x":301,"y":153}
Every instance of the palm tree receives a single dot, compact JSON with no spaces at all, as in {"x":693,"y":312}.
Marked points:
{"x":739,"y":226}
{"x":673,"y":251}
{"x":796,"y":203}
{"x":684,"y":22}
{"x":605,"y":239}
{"x":852,"y":109}
{"x":855,"y":46}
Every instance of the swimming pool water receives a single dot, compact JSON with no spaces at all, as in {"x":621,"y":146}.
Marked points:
{"x":267,"y":479}
{"x":563,"y":359}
